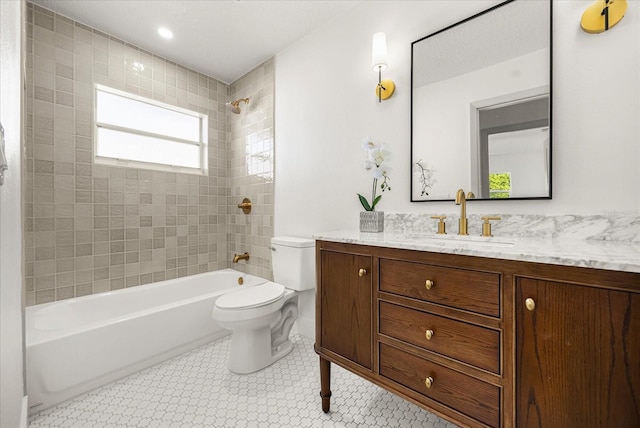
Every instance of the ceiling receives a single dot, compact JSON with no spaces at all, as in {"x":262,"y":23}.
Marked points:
{"x":223,"y":39}
{"x":509,"y":31}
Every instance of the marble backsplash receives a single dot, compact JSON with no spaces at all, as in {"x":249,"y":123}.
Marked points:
{"x":613,"y":227}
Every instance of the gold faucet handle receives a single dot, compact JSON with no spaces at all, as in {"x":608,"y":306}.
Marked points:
{"x":441,"y":224}
{"x":486,"y":226}
{"x":245,"y":205}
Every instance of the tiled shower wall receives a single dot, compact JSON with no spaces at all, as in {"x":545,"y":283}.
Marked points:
{"x":251,"y":174}
{"x":93,"y":228}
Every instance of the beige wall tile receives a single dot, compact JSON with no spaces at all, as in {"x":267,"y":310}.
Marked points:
{"x":93,"y":228}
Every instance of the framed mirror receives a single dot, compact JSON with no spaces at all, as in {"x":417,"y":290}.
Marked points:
{"x":481,"y":106}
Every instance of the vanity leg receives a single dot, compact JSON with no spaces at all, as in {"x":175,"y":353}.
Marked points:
{"x":325,"y":382}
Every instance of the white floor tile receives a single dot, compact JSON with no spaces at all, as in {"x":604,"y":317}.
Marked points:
{"x":197,"y":390}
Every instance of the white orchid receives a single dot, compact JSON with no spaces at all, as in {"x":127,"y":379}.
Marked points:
{"x":368,"y":144}
{"x":378,"y":155}
{"x":381,"y":171}
{"x":375,"y":163}
{"x":369,"y":165}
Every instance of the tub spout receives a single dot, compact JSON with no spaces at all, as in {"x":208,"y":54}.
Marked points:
{"x":238,"y":257}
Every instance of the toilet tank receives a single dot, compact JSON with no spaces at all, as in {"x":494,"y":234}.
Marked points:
{"x":293,"y":262}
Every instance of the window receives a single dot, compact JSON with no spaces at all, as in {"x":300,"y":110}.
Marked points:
{"x":499,"y":185}
{"x":139,"y":132}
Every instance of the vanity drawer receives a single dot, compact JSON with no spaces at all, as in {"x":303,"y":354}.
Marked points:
{"x":458,"y":288}
{"x":468,"y":395}
{"x":474,"y":345}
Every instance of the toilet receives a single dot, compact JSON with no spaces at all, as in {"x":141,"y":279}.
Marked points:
{"x":260,"y":317}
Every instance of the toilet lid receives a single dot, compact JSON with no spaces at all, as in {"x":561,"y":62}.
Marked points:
{"x":251,"y":297}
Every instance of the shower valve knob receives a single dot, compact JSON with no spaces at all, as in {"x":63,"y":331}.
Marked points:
{"x":245,"y":205}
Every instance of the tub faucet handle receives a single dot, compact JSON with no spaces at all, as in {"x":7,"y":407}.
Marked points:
{"x":245,"y":205}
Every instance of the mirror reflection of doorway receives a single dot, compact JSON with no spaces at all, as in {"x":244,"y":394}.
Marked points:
{"x":514,"y":138}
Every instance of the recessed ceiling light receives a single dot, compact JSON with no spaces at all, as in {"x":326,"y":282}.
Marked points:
{"x":165,"y":33}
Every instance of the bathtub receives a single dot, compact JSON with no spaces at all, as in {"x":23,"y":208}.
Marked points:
{"x":76,"y":345}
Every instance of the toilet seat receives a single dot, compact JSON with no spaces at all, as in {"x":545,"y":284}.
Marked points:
{"x":251,"y":297}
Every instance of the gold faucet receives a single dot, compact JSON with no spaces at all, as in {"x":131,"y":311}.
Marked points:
{"x":462,"y":201}
{"x":238,"y":257}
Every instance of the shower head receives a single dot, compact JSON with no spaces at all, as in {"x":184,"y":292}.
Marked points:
{"x":234,"y":106}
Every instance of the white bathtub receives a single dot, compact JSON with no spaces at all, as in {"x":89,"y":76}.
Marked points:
{"x":77,"y":345}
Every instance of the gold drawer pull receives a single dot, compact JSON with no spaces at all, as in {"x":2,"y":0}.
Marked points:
{"x":428,"y":334}
{"x":362,"y":272}
{"x":428,"y":382}
{"x":530,"y":303}
{"x":428,"y":283}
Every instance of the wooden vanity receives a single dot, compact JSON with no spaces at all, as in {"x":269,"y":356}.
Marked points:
{"x":482,"y":342}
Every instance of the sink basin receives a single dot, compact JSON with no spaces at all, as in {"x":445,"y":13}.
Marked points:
{"x":458,"y":241}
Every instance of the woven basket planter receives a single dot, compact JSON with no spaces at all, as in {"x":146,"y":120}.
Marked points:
{"x":371,"y":221}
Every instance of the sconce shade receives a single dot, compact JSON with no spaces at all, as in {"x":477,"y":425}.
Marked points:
{"x":379,"y":52}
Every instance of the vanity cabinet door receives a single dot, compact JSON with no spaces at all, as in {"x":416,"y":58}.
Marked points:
{"x":577,"y":356}
{"x":346,"y":292}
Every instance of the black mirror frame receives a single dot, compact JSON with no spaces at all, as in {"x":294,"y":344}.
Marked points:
{"x":489,"y":10}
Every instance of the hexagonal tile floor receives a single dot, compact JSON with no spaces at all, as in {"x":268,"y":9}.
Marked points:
{"x":196,"y":390}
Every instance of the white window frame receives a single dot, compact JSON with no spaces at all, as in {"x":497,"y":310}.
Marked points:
{"x":202,"y":143}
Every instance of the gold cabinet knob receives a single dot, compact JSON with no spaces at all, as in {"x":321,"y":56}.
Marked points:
{"x":530,"y":303}
{"x":362,"y":272}
{"x":428,"y":334}
{"x":428,"y":284}
{"x":428,"y":382}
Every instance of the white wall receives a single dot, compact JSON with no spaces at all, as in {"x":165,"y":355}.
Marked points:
{"x":325,"y":104}
{"x":11,"y":294}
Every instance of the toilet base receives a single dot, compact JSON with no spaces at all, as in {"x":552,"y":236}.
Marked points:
{"x":252,"y":349}
{"x":252,"y":365}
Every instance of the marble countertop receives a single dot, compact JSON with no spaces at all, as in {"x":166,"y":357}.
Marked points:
{"x":611,"y":255}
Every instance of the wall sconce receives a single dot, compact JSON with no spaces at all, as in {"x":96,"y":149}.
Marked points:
{"x":385,"y":88}
{"x":603,"y":15}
